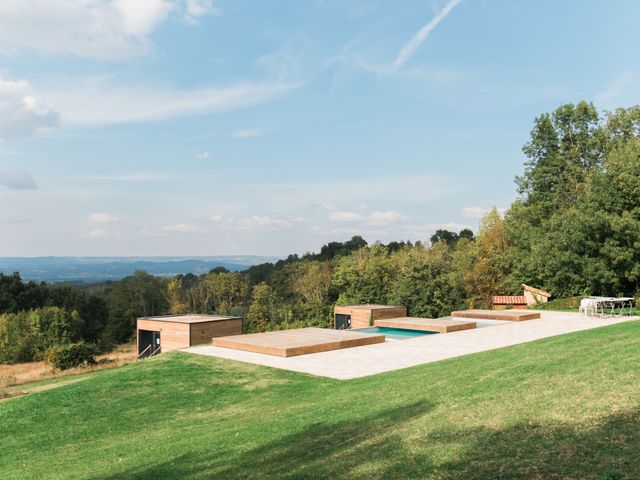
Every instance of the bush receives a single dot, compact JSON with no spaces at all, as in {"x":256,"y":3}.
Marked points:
{"x":63,"y":357}
{"x":569,"y":303}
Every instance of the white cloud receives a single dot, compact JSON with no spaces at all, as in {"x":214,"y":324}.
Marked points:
{"x":101,"y":218}
{"x":99,"y":233}
{"x":389,"y":216}
{"x":198,"y":8}
{"x":249,"y":133}
{"x":478,"y":212}
{"x":616,"y":89}
{"x":99,"y":101}
{"x":342,"y":216}
{"x":106,"y":30}
{"x":255,"y":222}
{"x":22,"y":112}
{"x":412,"y":46}
{"x":181,"y":228}
{"x":16,"y":180}
{"x":203,"y":155}
{"x":216,"y":218}
{"x":127,"y":177}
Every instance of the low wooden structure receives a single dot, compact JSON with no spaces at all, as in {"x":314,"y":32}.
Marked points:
{"x":509,"y":315}
{"x":299,"y":341}
{"x":503,"y":302}
{"x":171,"y":332}
{"x":535,"y":295}
{"x":363,"y":316}
{"x":441,"y":325}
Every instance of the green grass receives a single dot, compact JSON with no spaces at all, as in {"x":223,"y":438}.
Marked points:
{"x":564,"y":407}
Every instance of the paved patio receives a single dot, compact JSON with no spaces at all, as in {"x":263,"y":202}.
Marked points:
{"x":384,"y":357}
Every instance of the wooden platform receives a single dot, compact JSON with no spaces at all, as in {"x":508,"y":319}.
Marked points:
{"x":442,"y":325}
{"x":509,"y":315}
{"x":299,"y":341}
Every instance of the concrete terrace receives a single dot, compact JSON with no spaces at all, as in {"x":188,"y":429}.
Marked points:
{"x":384,"y":357}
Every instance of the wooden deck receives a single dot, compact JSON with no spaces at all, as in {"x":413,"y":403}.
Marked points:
{"x":509,"y":315}
{"x":299,"y":341}
{"x":442,"y":325}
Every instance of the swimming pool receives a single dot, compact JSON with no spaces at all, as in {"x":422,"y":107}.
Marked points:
{"x":394,"y":333}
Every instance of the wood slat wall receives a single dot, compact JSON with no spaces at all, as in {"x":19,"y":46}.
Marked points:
{"x":202,"y":333}
{"x":173,"y":335}
{"x":363,"y":317}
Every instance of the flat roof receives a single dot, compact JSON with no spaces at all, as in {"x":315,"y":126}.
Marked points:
{"x":368,"y":306}
{"x":299,"y":341}
{"x":511,"y":315}
{"x":189,"y":318}
{"x":442,"y":325}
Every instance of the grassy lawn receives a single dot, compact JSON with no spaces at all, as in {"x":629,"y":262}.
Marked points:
{"x":564,"y":407}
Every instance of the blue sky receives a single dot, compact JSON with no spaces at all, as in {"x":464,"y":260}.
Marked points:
{"x":197,"y":127}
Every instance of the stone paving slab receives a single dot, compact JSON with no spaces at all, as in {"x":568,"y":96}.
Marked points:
{"x":384,"y":357}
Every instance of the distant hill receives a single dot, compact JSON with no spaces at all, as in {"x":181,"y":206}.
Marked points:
{"x":98,"y":269}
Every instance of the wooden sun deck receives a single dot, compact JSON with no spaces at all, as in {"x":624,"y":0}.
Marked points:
{"x":509,"y":315}
{"x":299,"y":341}
{"x":442,"y":325}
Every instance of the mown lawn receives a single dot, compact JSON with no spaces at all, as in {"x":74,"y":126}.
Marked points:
{"x":564,"y":407}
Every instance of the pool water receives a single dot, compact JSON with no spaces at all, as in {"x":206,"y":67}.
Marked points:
{"x":394,"y":333}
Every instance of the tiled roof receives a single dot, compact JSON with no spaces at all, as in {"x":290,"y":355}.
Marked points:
{"x":509,"y":300}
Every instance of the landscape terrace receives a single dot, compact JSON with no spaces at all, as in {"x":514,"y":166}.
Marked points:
{"x":321,"y":239}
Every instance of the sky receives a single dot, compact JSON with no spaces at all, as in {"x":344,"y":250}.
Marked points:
{"x":215,"y":127}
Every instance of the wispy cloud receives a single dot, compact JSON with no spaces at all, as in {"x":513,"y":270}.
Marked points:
{"x":615,"y":89}
{"x":127,"y":177}
{"x":96,"y":101}
{"x":101,"y":218}
{"x":181,"y":228}
{"x":342,"y":216}
{"x":248,"y":133}
{"x":412,"y":46}
{"x":386,"y":217}
{"x":17,"y":180}
{"x":203,"y":155}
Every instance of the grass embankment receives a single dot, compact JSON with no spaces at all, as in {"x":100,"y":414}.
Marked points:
{"x":22,"y":378}
{"x":564,"y":407}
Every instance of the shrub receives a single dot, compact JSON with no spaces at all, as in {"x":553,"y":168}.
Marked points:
{"x":569,"y":303}
{"x":63,"y":357}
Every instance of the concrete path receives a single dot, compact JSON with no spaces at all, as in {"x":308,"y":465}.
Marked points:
{"x":372,"y":359}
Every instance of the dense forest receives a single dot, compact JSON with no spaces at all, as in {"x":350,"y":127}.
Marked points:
{"x":573,"y":230}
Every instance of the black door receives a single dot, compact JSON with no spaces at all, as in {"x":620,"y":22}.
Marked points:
{"x":343,"y":322}
{"x":149,"y":342}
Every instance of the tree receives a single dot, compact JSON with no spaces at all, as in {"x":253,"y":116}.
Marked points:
{"x":363,"y":277}
{"x":312,"y":283}
{"x":227,"y":290}
{"x":490,"y":270}
{"x":262,"y":307}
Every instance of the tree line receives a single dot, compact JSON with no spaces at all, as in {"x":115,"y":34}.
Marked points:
{"x":573,"y":230}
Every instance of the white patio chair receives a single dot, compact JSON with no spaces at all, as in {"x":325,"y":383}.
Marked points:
{"x":588,"y":306}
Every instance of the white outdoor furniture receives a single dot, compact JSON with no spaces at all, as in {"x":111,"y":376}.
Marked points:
{"x":588,"y":306}
{"x":606,"y":306}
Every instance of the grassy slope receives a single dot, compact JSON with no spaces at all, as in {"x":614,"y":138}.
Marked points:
{"x":563,"y":407}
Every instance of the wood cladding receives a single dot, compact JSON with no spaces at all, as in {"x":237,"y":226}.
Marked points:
{"x":441,"y":325}
{"x":299,"y":341}
{"x":363,"y":316}
{"x":203,"y":332}
{"x":185,"y":331}
{"x":510,"y":315}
